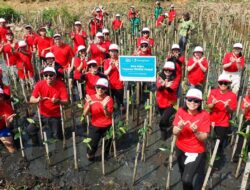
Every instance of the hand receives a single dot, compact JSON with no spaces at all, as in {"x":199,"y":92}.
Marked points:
{"x":194,"y":127}
{"x":88,"y":99}
{"x":181,"y":123}
{"x":226,"y":103}
{"x":105,"y":102}
{"x":214,"y":100}
{"x":55,"y":100}
{"x":168,"y":84}
{"x":72,"y":35}
{"x":10,"y":119}
{"x":246,"y":104}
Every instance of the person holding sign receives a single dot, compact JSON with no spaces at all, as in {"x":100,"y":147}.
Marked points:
{"x":166,"y":96}
{"x":222,"y":102}
{"x":111,"y":69}
{"x":192,"y":127}
{"x":100,"y":106}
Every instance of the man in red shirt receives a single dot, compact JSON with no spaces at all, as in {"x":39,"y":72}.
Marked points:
{"x":94,"y":27}
{"x":145,"y":37}
{"x":6,"y":117}
{"x":160,"y":20}
{"x":62,"y":51}
{"x":3,"y":30}
{"x":117,"y":24}
{"x":48,"y":94}
{"x":171,"y":14}
{"x":78,"y":36}
{"x":29,"y":37}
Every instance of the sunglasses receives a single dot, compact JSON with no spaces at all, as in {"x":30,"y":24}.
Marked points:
{"x":50,"y":75}
{"x":144,"y":46}
{"x":222,"y":82}
{"x":101,"y":87}
{"x":145,"y":32}
{"x":168,"y":70}
{"x":193,"y":100}
{"x":92,"y":65}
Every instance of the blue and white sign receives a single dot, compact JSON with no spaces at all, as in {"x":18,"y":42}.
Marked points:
{"x":137,"y":68}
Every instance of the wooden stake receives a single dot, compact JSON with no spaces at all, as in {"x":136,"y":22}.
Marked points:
{"x":63,"y":127}
{"x":127,"y":108}
{"x":137,"y":103}
{"x":40,"y":123}
{"x":237,"y":173}
{"x":144,"y":141}
{"x":246,"y":174}
{"x":21,"y":142}
{"x":136,"y":162}
{"x":211,"y":163}
{"x":87,"y":117}
{"x":46,"y":147}
{"x":113,"y":131}
{"x":103,"y":156}
{"x":75,"y":150}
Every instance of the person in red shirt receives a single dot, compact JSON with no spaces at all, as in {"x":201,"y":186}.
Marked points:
{"x":99,"y":13}
{"x":29,"y":37}
{"x":41,"y":43}
{"x":91,"y":77}
{"x":78,"y":36}
{"x":107,"y":39}
{"x":197,"y":67}
{"x":166,"y":97}
{"x":24,"y":64}
{"x":6,"y":117}
{"x":117,"y":24}
{"x":94,"y":27}
{"x":80,"y":63}
{"x":132,"y":12}
{"x":233,"y":64}
{"x":191,"y":128}
{"x":143,"y":50}
{"x":222,"y":102}
{"x":62,"y":51}
{"x":8,"y":49}
{"x":160,"y":22}
{"x":3,"y":30}
{"x":100,"y":106}
{"x":98,"y":49}
{"x":49,"y":94}
{"x":145,"y":37}
{"x":111,"y":69}
{"x":171,"y":14}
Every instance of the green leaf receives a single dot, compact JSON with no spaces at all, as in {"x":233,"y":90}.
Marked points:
{"x":242,"y":134}
{"x":82,"y":118}
{"x":122,"y":130}
{"x":80,"y":106}
{"x":31,"y":121}
{"x":146,"y":91}
{"x":50,"y":141}
{"x":147,"y":107}
{"x":164,"y":149}
{"x":87,"y":140}
{"x":17,"y":136}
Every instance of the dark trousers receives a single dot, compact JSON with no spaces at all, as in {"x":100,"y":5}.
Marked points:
{"x":118,"y":95}
{"x":222,"y":134}
{"x":167,"y":116}
{"x":183,"y":43}
{"x":96,"y":133}
{"x":193,"y":173}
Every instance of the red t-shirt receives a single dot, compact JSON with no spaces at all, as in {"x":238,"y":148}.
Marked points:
{"x":77,"y":63}
{"x":59,"y":91}
{"x":91,"y":80}
{"x":30,"y":38}
{"x":164,"y":97}
{"x":233,"y":67}
{"x":149,"y":40}
{"x":171,"y":15}
{"x":9,"y":55}
{"x":24,"y":65}
{"x":63,"y":54}
{"x":186,"y":140}
{"x":160,"y":20}
{"x":5,"y":111}
{"x":98,"y":118}
{"x":219,"y":114}
{"x":246,"y":99}
{"x":178,"y":66}
{"x":3,"y":31}
{"x":107,"y":44}
{"x":196,"y":76}
{"x":79,"y":39}
{"x":94,"y":26}
{"x":114,"y":77}
{"x":116,"y":24}
{"x":42,"y":43}
{"x":97,"y":54}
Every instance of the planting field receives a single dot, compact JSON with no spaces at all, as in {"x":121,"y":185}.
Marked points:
{"x":139,"y":159}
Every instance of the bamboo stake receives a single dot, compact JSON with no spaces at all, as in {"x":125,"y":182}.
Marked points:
{"x":103,"y":156}
{"x":46,"y":148}
{"x":136,"y":162}
{"x":137,"y":102}
{"x":237,"y":173}
{"x":63,"y":127}
{"x":127,"y":108}
{"x":144,"y":140}
{"x":170,"y":164}
{"x":21,"y":143}
{"x":75,"y":150}
{"x":113,"y":131}
{"x":151,"y":108}
{"x":237,"y":137}
{"x":40,"y":123}
{"x":87,"y":124}
{"x":211,"y":163}
{"x":246,"y":174}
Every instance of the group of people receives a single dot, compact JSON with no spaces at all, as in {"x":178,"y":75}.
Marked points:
{"x":94,"y":64}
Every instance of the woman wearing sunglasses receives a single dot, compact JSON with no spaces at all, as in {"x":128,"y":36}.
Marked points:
{"x":100,"y":106}
{"x":166,"y":97}
{"x":145,"y":37}
{"x":192,"y":127}
{"x":143,"y":50}
{"x":222,"y":102}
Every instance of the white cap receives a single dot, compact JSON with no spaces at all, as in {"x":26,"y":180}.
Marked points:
{"x":105,"y":30}
{"x":80,"y":47}
{"x":28,"y":26}
{"x":102,"y":82}
{"x":172,"y":5}
{"x":2,"y":20}
{"x":166,"y":14}
{"x":49,"y":55}
{"x":1,"y":91}
{"x":132,"y":6}
{"x":238,"y":45}
{"x":117,"y":15}
{"x":78,"y":23}
{"x":225,"y":78}
{"x":145,"y":29}
{"x":114,"y":47}
{"x":99,"y":34}
{"x":49,"y":69}
{"x":169,"y":65}
{"x":57,"y":35}
{"x":175,"y":46}
{"x":157,"y":2}
{"x":92,"y":61}
{"x":198,"y":49}
{"x":43,"y":27}
{"x":194,"y":93}
{"x":144,"y":42}
{"x":22,"y":43}
{"x":97,"y":9}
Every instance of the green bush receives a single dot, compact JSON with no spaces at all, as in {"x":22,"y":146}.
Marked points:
{"x":9,"y":14}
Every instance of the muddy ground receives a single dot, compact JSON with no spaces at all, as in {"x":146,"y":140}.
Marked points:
{"x":34,"y":172}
